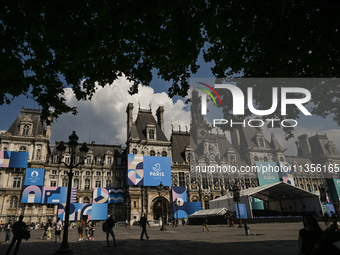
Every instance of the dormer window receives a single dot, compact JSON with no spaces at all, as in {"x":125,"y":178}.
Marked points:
{"x":26,"y":130}
{"x":109,"y":161}
{"x":151,"y":134}
{"x":261,"y":142}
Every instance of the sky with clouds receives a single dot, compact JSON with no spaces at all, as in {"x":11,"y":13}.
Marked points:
{"x":103,"y":119}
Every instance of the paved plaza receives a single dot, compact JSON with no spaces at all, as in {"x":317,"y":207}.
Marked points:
{"x":273,"y":239}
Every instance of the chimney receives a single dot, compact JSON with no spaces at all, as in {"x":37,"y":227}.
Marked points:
{"x":304,"y":146}
{"x":235,"y":138}
{"x":160,"y":118}
{"x":129,"y":109}
{"x":49,"y":127}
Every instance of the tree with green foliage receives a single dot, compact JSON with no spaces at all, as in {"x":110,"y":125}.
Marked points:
{"x":48,"y":46}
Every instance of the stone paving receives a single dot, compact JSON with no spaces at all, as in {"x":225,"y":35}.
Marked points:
{"x":273,"y":239}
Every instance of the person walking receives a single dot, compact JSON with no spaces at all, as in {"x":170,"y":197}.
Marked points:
{"x":47,"y":228}
{"x":92,"y":229}
{"x":228,"y":221}
{"x":58,"y":230}
{"x":205,"y":224}
{"x":81,"y":229}
{"x":87,"y":230}
{"x":246,"y":228}
{"x":18,"y":229}
{"x":143,"y":222}
{"x":110,"y":222}
{"x":8,"y":229}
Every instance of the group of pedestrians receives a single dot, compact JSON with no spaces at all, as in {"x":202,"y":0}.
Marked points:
{"x":88,"y":227}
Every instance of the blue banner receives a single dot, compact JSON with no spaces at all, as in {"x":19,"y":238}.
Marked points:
{"x":31,"y":194}
{"x":13,"y":159}
{"x":186,"y":209}
{"x":34,"y":176}
{"x":330,"y":209}
{"x":116,"y":196}
{"x":157,"y":170}
{"x":268,"y":172}
{"x":179,"y":193}
{"x":243,"y":211}
{"x":77,"y":211}
{"x":57,"y":195}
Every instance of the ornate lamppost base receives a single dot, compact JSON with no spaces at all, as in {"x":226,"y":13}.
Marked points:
{"x":163,"y":227}
{"x":64,"y":248}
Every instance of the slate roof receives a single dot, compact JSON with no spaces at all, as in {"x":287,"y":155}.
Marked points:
{"x":318,"y":144}
{"x":179,"y":140}
{"x":298,"y":159}
{"x":274,"y":143}
{"x":34,"y":116}
{"x":248,"y":137}
{"x":98,"y":150}
{"x":144,"y":118}
{"x":224,"y":145}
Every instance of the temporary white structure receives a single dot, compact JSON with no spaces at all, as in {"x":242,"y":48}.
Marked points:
{"x":280,"y":196}
{"x":209,"y":212}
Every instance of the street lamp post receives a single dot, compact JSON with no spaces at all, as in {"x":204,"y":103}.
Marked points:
{"x":127,"y":210}
{"x":236,"y":197}
{"x":64,"y":247}
{"x":176,"y":205}
{"x":160,"y":189}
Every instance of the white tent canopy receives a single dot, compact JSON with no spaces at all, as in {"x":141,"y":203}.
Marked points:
{"x":209,"y":212}
{"x":280,"y":196}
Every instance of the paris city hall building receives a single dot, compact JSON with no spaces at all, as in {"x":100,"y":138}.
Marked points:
{"x":107,"y":165}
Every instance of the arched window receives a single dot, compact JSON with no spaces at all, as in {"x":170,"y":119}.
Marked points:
{"x":55,"y":159}
{"x":195,"y":199}
{"x":261,"y":142}
{"x":256,"y":158}
{"x":22,"y":148}
{"x":134,"y":151}
{"x":88,"y":160}
{"x":164,"y":154}
{"x":151,"y":134}
{"x":13,"y":202}
{"x":109,"y":161}
{"x":152,"y":153}
{"x":86,"y":200}
{"x":99,"y":160}
{"x":281,"y":158}
{"x":38,"y":154}
{"x":25,"y":130}
{"x":265,"y":159}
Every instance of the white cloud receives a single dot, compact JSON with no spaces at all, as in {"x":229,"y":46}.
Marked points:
{"x":103,"y":119}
